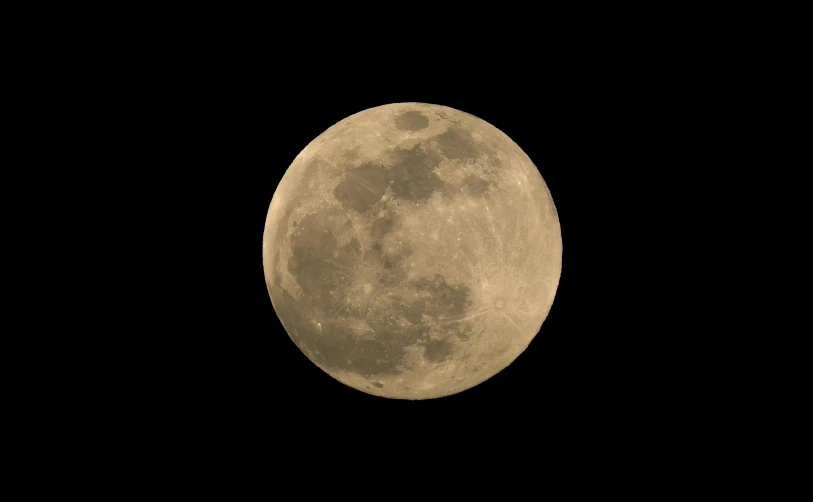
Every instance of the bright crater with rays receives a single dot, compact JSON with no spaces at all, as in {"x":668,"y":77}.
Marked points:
{"x":412,"y":251}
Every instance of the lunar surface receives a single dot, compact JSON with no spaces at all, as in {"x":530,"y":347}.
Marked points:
{"x":412,"y":251}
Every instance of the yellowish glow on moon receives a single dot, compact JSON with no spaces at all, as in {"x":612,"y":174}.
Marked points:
{"x":412,"y":251}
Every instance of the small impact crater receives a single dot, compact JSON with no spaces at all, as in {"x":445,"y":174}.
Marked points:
{"x":411,"y":121}
{"x":378,"y":385}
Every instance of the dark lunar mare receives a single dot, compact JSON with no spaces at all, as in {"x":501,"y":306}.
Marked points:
{"x":362,"y":187}
{"x":324,"y":271}
{"x":412,"y":175}
{"x":411,"y":121}
{"x":458,"y":144}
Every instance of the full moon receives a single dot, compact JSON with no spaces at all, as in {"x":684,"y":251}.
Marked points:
{"x":412,"y":251}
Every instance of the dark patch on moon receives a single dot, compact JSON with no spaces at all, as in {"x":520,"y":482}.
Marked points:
{"x":411,"y":121}
{"x":276,"y":279}
{"x":458,"y":144}
{"x":412,"y":174}
{"x":326,"y":326}
{"x":362,"y":187}
{"x":445,"y":300}
{"x":413,"y":312}
{"x":316,"y":260}
{"x":309,"y":175}
{"x":437,"y":351}
{"x":377,"y":384}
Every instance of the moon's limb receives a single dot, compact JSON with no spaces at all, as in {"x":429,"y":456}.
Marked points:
{"x":412,"y":251}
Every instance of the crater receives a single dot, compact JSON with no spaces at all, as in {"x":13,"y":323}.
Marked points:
{"x":411,"y":121}
{"x":377,"y":384}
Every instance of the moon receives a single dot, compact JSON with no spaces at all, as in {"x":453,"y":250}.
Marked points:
{"x":412,"y":251}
